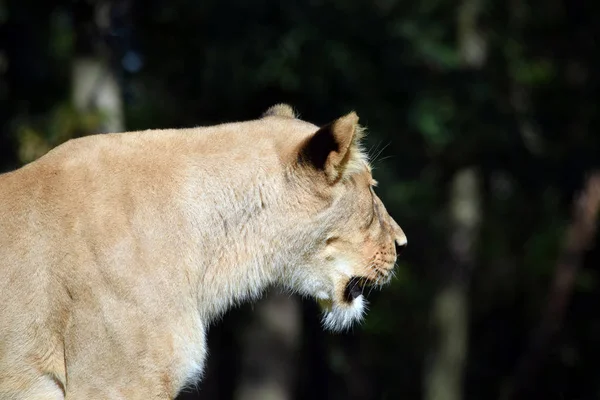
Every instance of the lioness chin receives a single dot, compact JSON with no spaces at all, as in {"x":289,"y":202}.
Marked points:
{"x":118,"y":250}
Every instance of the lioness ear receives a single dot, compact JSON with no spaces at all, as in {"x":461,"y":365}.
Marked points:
{"x":281,"y":110}
{"x":334,"y":147}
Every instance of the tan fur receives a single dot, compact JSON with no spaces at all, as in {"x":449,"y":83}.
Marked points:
{"x":117,"y":251}
{"x":280,"y":110}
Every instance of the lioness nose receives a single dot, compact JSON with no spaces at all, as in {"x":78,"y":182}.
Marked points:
{"x":400,"y":246}
{"x":399,"y":237}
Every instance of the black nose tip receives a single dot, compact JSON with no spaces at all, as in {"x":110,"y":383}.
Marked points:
{"x":399,"y":247}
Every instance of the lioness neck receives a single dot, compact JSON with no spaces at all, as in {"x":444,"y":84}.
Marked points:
{"x":239,"y":243}
{"x":239,"y":232}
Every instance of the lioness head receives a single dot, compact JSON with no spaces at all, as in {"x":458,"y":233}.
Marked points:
{"x":355,"y":241}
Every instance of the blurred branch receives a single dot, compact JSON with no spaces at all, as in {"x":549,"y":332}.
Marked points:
{"x":580,"y":236}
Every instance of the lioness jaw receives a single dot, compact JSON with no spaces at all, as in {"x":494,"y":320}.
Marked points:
{"x":118,"y":250}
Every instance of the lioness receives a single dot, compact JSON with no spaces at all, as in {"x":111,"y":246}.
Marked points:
{"x":118,"y":250}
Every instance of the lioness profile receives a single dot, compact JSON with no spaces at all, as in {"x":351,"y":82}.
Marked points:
{"x":117,"y":251}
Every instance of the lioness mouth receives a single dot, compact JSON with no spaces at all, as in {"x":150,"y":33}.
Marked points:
{"x":355,"y":287}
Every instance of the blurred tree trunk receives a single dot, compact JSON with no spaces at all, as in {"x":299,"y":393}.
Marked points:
{"x":449,"y":316}
{"x":94,"y":84}
{"x":95,"y":88}
{"x":444,"y":374}
{"x":270,"y":350}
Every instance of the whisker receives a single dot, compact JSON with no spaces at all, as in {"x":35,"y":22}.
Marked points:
{"x":372,"y":286}
{"x":380,"y":281}
{"x":385,"y":158}
{"x":379,"y":152}
{"x":373,"y":150}
{"x":370,"y":266}
{"x":356,"y":282}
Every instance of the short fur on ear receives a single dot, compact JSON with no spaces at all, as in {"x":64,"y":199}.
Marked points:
{"x":335,"y":148}
{"x":280,"y":110}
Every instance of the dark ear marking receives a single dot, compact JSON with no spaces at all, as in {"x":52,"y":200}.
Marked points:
{"x":332,"y":147}
{"x":280,"y":110}
{"x":318,"y":147}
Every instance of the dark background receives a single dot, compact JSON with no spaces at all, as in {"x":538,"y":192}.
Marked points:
{"x":483,"y":124}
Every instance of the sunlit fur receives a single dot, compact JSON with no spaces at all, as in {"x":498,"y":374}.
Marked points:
{"x":118,"y":251}
{"x":280,"y":110}
{"x":359,"y":158}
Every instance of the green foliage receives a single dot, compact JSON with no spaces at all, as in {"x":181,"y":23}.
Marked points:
{"x":35,"y":138}
{"x":432,"y":117}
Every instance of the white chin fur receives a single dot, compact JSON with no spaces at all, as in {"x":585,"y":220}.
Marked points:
{"x":338,"y":317}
